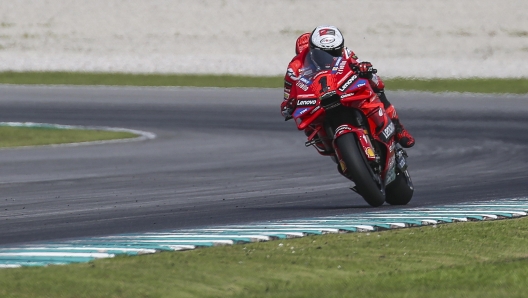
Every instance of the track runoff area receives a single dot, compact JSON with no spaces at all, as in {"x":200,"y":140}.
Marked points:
{"x":89,"y":249}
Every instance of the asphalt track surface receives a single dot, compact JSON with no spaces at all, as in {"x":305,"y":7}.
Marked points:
{"x":225,"y":156}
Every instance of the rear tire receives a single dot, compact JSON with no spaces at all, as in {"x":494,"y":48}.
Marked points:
{"x":399,"y":192}
{"x":360,"y":171}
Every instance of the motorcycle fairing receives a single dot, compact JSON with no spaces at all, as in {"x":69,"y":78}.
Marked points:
{"x":359,"y":83}
{"x":387,"y":132}
{"x":353,"y":84}
{"x":361,"y":135}
{"x":304,"y":115}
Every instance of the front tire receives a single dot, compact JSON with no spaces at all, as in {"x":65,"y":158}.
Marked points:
{"x":368,"y":183}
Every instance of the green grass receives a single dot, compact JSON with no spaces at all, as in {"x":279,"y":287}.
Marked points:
{"x":474,"y":85}
{"x":123,"y":79}
{"x":35,"y":136}
{"x":518,"y":86}
{"x":484,"y":259}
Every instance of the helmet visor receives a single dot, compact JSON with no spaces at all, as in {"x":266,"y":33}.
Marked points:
{"x":318,"y":60}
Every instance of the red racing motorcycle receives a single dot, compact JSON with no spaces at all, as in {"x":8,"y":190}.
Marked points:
{"x":344,"y":118}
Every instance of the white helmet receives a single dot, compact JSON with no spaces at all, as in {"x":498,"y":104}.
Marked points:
{"x":328,"y":39}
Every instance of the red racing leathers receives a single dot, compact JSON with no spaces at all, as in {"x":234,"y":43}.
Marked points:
{"x":292,"y":76}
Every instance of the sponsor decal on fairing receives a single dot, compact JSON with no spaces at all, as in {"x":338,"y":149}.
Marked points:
{"x":290,"y":73}
{"x":305,"y":81}
{"x":300,"y":112}
{"x":328,"y":94}
{"x":389,"y":130}
{"x":347,"y":95}
{"x":370,"y":153}
{"x":348,"y":83}
{"x":315,"y":110}
{"x":339,"y":131}
{"x":301,"y":85}
{"x":360,"y":83}
{"x":339,"y":66}
{"x":307,"y":102}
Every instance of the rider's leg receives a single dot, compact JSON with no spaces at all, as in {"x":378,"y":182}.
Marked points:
{"x":403,"y":137}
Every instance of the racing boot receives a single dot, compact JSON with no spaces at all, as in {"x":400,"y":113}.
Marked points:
{"x":403,"y":137}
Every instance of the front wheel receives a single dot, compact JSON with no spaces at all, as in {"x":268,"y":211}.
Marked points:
{"x":368,"y":183}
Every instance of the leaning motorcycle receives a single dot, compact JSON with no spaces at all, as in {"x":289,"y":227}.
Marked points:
{"x":344,"y":118}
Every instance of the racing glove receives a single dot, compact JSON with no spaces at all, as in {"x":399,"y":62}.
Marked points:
{"x":365,"y":70}
{"x":287,"y":112}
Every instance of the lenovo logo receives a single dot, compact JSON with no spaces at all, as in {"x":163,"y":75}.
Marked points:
{"x":348,"y":83}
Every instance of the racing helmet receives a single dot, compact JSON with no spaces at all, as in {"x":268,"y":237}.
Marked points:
{"x":328,"y":39}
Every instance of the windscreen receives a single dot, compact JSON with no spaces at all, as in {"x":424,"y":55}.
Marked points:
{"x":317,"y":60}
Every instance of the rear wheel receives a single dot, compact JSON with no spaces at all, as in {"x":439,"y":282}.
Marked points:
{"x":400,"y":191}
{"x":368,"y":183}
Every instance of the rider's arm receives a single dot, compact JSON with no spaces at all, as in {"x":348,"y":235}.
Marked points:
{"x":375,"y":81}
{"x":287,"y":104}
{"x":288,"y":96}
{"x":351,"y":56}
{"x":290,"y":79}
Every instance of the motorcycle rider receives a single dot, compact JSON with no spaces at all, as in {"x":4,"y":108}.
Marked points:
{"x":330,"y":40}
